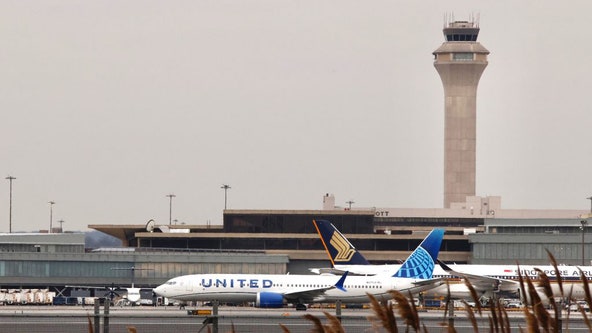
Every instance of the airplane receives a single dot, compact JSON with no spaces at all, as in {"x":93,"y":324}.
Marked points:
{"x":273,"y":290}
{"x":501,"y":280}
{"x":132,"y":294}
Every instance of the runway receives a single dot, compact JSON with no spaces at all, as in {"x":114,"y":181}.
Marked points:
{"x":245,"y":320}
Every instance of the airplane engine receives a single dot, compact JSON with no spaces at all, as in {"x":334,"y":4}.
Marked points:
{"x":269,"y":300}
{"x":541,"y":295}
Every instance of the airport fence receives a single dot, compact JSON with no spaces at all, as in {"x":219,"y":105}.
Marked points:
{"x":70,"y":320}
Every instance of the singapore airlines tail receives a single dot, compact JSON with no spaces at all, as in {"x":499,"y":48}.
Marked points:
{"x":339,"y":249}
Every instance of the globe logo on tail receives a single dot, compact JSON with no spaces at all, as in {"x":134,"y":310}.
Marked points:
{"x":419,"y":265}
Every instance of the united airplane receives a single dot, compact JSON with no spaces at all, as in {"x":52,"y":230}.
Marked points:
{"x":486,"y":279}
{"x":272,"y":291}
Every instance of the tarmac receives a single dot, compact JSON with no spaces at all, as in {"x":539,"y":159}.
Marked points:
{"x":147,"y":319}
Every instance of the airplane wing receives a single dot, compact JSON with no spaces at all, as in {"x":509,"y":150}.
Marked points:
{"x":310,"y":294}
{"x":112,"y":287}
{"x":481,"y":282}
{"x":429,"y":282}
{"x":322,"y":270}
{"x":340,"y":271}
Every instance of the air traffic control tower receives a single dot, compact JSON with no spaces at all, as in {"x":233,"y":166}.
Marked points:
{"x":460,"y":61}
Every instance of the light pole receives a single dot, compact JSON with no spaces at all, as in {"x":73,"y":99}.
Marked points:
{"x":61,"y":222}
{"x":10,"y":179}
{"x":349,"y":203}
{"x":225,"y":187}
{"x":51,"y":203}
{"x":583,"y":228}
{"x":170,"y":196}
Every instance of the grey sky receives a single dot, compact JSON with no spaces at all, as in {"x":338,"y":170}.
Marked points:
{"x":108,"y":106}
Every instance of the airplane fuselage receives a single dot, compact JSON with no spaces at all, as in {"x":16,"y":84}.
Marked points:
{"x":303,"y":288}
{"x":570,"y":276}
{"x":133,"y":294}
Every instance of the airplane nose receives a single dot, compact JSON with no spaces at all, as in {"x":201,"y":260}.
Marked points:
{"x":159,"y":290}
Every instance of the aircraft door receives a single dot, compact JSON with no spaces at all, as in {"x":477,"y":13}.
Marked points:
{"x":188,"y":286}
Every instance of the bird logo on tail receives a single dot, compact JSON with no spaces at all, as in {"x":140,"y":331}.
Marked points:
{"x":344,"y":250}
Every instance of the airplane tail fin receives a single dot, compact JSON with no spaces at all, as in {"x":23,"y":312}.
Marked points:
{"x":339,"y":249}
{"x":420,"y":264}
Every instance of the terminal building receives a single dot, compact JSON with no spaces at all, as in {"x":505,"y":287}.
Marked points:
{"x":280,"y":242}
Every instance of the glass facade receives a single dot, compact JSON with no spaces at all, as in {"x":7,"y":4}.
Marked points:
{"x":530,"y":243}
{"x":85,"y":272}
{"x":295,"y":223}
{"x":263,"y":231}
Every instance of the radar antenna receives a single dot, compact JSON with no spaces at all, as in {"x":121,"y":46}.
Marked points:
{"x":150,"y":225}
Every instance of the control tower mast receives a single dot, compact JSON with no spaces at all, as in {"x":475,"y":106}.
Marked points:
{"x":460,"y":61}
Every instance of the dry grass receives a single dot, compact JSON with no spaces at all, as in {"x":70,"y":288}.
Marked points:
{"x":90,"y":326}
{"x":333,"y":326}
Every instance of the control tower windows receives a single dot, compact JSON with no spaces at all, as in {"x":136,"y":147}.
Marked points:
{"x":461,"y":38}
{"x":462,"y":56}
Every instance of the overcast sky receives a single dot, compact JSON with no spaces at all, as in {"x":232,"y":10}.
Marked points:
{"x":108,"y":106}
